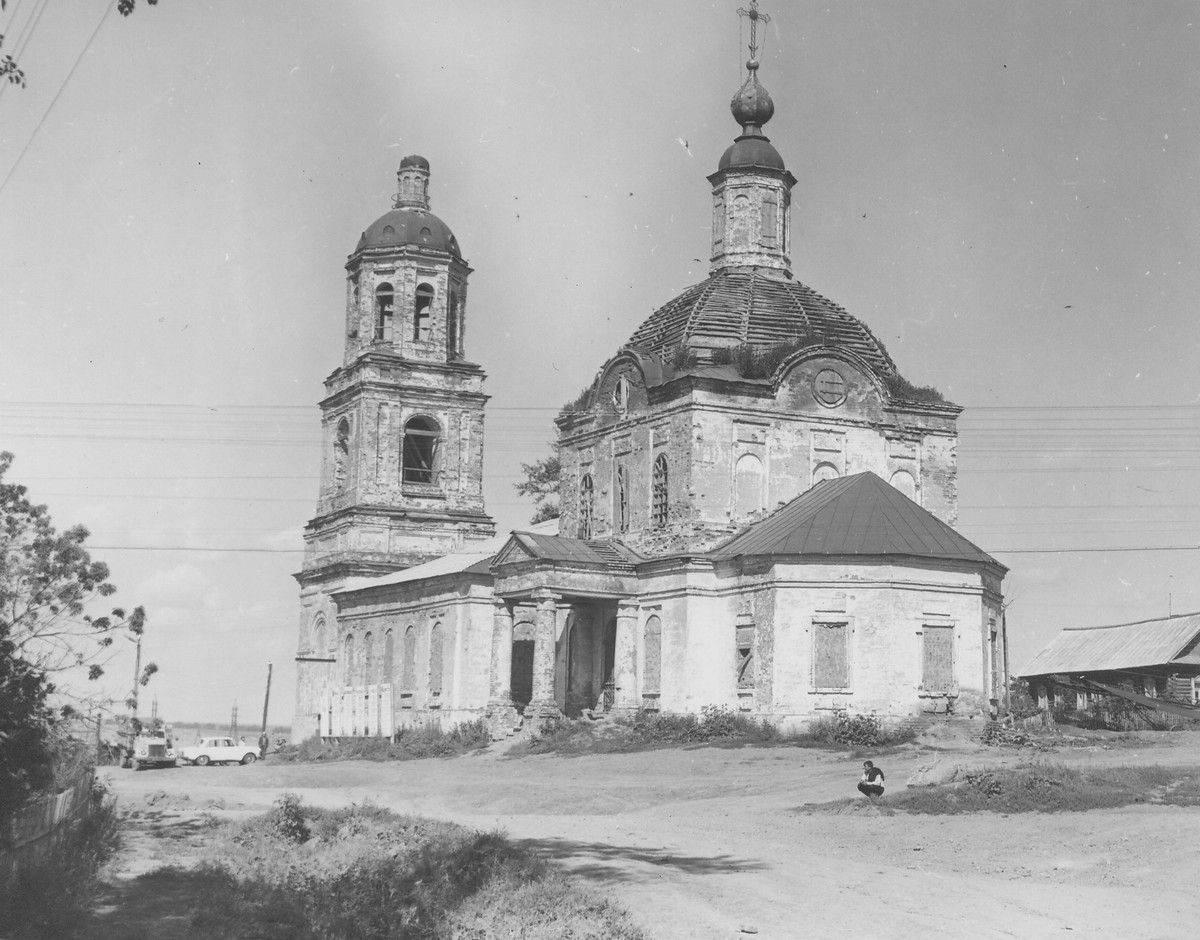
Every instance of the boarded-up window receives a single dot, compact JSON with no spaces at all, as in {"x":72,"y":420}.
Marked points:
{"x":652,"y":662}
{"x":770,"y":220}
{"x":744,"y":656}
{"x":937,"y":659}
{"x":831,"y":661}
{"x":389,"y":657}
{"x":408,"y":671}
{"x":435,"y":660}
{"x":341,"y":454}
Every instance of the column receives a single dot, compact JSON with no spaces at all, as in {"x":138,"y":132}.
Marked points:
{"x":625,"y":656}
{"x":502,"y":645}
{"x":542,"y":705}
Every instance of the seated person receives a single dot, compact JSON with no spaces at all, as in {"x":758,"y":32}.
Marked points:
{"x":871,"y":783}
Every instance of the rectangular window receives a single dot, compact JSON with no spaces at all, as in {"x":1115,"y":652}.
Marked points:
{"x":744,"y":657}
{"x":937,"y":659}
{"x":831,"y":660}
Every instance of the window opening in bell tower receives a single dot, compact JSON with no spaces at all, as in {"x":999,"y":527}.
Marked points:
{"x":384,"y":307}
{"x":420,"y":451}
{"x":422,"y":313}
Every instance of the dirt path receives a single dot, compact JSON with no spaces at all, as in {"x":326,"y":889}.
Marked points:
{"x":711,"y":842}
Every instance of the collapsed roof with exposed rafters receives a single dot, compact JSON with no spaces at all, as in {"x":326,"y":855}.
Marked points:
{"x":756,"y":307}
{"x":854,"y":515}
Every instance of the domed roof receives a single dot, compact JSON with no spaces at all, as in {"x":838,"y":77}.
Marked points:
{"x":757,"y":307}
{"x":751,"y":150}
{"x":414,"y":159}
{"x":409,"y":225}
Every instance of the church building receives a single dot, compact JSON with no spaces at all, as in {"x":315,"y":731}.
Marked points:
{"x":757,"y":510}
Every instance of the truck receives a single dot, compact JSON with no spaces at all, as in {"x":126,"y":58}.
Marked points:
{"x":149,"y":747}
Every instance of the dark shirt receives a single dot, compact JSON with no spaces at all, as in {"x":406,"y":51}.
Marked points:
{"x":871,"y":774}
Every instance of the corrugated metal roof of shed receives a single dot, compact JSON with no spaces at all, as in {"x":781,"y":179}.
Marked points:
{"x":1115,"y":647}
{"x":854,"y":515}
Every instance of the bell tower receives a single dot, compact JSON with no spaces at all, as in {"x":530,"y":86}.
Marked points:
{"x":402,"y":417}
{"x":752,"y":189}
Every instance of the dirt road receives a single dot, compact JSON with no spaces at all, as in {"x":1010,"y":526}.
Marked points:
{"x":710,"y":842}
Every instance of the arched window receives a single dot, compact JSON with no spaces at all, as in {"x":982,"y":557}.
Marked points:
{"x":348,"y":660}
{"x":341,"y":454}
{"x":423,"y":312}
{"x":367,"y":676}
{"x":652,"y":657}
{"x":452,"y":324}
{"x":904,"y":482}
{"x":318,"y":636}
{"x":408,"y":668}
{"x":739,"y":230}
{"x":384,"y":307}
{"x":420,"y":455}
{"x":825,"y":471}
{"x":389,"y":657}
{"x":621,"y":496}
{"x":658,"y":492}
{"x":747,"y":485}
{"x":587,"y":506}
{"x":620,"y":395}
{"x":436,"y":666}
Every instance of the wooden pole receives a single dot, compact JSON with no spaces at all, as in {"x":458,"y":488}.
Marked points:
{"x":137,"y":673}
{"x":266,"y":699}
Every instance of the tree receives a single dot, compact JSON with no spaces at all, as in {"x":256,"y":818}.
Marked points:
{"x":541,"y":482}
{"x":47,"y":581}
{"x":11,"y":72}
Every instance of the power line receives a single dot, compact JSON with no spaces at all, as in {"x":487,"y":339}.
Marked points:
{"x":58,"y":94}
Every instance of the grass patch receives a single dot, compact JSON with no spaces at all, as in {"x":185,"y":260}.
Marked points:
{"x":406,"y":744}
{"x":49,"y":899}
{"x":1052,"y":788}
{"x":301,"y":872}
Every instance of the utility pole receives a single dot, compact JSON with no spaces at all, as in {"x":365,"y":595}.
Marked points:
{"x":263,"y":740}
{"x":233,"y":731}
{"x":137,"y":672}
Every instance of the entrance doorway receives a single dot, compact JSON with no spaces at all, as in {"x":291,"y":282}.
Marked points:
{"x":521,"y":675}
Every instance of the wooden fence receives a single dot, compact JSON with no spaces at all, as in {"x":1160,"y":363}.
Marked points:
{"x":36,"y":828}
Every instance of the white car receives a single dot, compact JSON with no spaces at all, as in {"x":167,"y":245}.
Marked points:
{"x":218,"y":751}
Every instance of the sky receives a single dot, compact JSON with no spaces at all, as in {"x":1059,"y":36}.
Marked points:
{"x":1006,"y":193}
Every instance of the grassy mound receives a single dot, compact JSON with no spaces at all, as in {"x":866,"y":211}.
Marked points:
{"x":300,"y":872}
{"x":1051,"y":788}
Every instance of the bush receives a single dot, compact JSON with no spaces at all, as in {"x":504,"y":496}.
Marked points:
{"x":406,"y":744}
{"x":899,"y":387}
{"x":855,"y":731}
{"x":646,"y":730}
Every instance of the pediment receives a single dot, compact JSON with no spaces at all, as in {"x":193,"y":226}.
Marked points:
{"x":513,"y":552}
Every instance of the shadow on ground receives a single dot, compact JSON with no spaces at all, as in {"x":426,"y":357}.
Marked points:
{"x":602,"y":861}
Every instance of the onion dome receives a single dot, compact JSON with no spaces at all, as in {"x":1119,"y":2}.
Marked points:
{"x":757,"y":308}
{"x":414,"y":160}
{"x":751,"y":107}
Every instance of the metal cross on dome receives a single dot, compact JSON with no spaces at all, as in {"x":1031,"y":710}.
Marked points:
{"x":754,"y":16}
